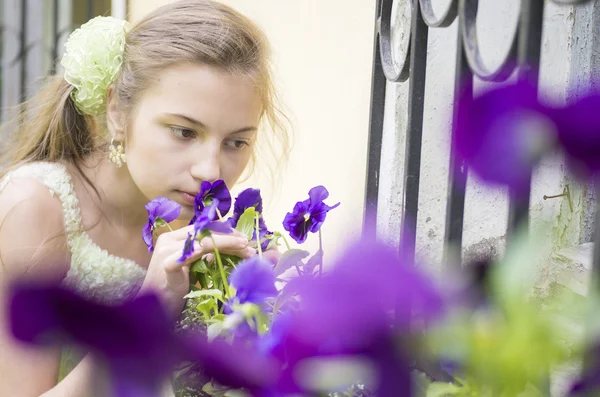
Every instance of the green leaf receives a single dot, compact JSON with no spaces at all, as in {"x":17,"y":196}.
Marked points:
{"x":217,"y":317}
{"x":215,"y":293}
{"x":288,"y":259}
{"x":230,"y":260}
{"x":515,"y":275}
{"x":202,"y":279}
{"x":272,"y":242}
{"x":199,"y":266}
{"x":249,"y":310}
{"x":236,"y":393}
{"x":246,"y":223}
{"x":214,"y":330}
{"x":214,"y":389}
{"x":439,"y":389}
{"x":286,"y":294}
{"x":206,"y":306}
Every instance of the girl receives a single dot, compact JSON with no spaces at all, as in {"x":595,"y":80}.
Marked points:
{"x":151,"y":112}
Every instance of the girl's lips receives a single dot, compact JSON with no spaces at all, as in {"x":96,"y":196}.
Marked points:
{"x":187,"y":197}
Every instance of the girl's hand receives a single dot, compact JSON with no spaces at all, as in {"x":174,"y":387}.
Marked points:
{"x":170,"y":278}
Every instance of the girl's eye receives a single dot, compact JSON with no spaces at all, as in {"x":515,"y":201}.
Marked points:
{"x":183,"y":133}
{"x":237,"y":144}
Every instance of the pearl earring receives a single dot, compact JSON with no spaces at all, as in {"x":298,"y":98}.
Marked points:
{"x":116,"y":153}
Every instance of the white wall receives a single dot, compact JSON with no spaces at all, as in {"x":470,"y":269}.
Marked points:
{"x":322,"y":61}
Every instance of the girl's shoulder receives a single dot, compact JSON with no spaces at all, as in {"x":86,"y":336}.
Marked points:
{"x":32,"y":231}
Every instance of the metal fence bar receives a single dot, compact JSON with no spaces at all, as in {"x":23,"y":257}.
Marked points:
{"x":37,"y":54}
{"x":23,"y":51}
{"x":378,"y":87}
{"x":55,"y":36}
{"x":416,"y":101}
{"x":13,"y":50}
{"x":90,"y":9}
{"x":528,"y":54}
{"x":457,"y":175}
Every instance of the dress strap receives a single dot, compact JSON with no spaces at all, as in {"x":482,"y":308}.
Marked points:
{"x":58,"y":181}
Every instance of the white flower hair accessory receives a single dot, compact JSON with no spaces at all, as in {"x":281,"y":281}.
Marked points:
{"x":93,"y":57}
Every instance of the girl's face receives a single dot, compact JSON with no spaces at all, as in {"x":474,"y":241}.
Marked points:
{"x":197,"y":123}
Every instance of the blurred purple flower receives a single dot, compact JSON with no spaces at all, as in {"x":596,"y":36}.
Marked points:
{"x":588,"y":383}
{"x":502,"y":134}
{"x":388,"y":281}
{"x":579,"y":135}
{"x":308,"y":215}
{"x":329,"y":325}
{"x":159,"y":209}
{"x":208,"y":192}
{"x":253,"y":280}
{"x":238,"y":365}
{"x":134,"y":338}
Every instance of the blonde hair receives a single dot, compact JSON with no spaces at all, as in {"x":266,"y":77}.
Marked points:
{"x":199,"y":31}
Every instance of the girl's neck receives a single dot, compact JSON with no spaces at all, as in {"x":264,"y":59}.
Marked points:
{"x":119,"y":199}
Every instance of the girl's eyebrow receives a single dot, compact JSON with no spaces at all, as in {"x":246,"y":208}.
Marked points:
{"x":200,"y":124}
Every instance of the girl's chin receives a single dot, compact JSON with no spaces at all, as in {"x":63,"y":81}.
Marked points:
{"x":185,"y":217}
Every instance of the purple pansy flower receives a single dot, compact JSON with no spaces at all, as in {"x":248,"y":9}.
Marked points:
{"x":204,"y":222}
{"x":579,"y":135}
{"x":188,"y":247}
{"x":253,"y":280}
{"x":308,"y":215}
{"x":159,"y":209}
{"x":502,"y":134}
{"x":208,"y":192}
{"x":247,"y":199}
{"x":134,"y":338}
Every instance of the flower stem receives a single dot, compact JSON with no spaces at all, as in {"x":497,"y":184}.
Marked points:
{"x":287,"y":245}
{"x":221,"y":268}
{"x":169,"y":227}
{"x":320,"y":253}
{"x":219,"y":215}
{"x":258,"y":247}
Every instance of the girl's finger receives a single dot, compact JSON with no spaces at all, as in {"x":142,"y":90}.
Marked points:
{"x":174,"y":262}
{"x":224,"y":243}
{"x":176,"y":235}
{"x":243,"y":253}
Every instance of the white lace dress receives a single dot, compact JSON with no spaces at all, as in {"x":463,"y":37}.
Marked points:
{"x":94,"y":272}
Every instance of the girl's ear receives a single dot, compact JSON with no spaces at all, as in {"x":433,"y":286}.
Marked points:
{"x":114,"y":117}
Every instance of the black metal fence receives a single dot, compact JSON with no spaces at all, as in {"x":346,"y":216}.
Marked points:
{"x":33,"y":35}
{"x":522,"y":59}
